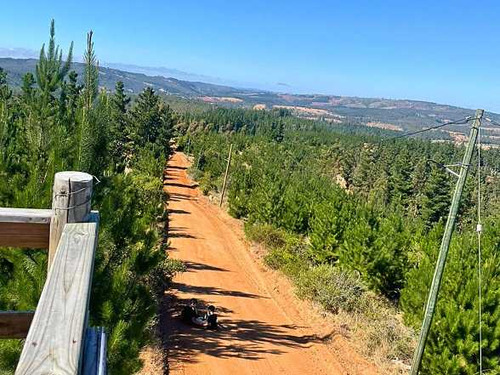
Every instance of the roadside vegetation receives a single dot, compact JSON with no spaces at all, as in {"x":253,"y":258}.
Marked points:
{"x":353,"y":222}
{"x":60,"y":121}
{"x":357,"y":224}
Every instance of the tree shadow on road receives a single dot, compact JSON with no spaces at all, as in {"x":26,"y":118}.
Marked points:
{"x":179,"y":232}
{"x":195,"y":266}
{"x":181,"y":235}
{"x":212,"y":291}
{"x":177,"y":197}
{"x":176,"y":184}
{"x":245,"y":339}
{"x":178,"y":212}
{"x":176,"y":167}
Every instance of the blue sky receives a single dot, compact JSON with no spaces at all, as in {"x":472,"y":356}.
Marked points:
{"x":443,"y":51}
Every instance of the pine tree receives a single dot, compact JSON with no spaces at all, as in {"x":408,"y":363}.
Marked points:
{"x":5,"y":92}
{"x":418,"y":180}
{"x":5,"y":95}
{"x":72,"y":91}
{"x":380,"y":194}
{"x":400,"y":180}
{"x":151,"y":121}
{"x":50,"y":70}
{"x":452,"y":346}
{"x":91,"y":130}
{"x":277,"y":132}
{"x":362,"y":176}
{"x":120,"y":100}
{"x":38,"y":129}
{"x":436,"y":197}
{"x":328,"y":223}
{"x":91,"y":74}
{"x":27,"y":87}
{"x":119,"y":127}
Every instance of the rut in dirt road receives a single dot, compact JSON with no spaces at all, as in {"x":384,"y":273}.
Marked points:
{"x":259,"y":334}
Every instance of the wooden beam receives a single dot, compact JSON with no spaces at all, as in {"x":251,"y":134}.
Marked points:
{"x":24,"y":235}
{"x":25,"y":215}
{"x":15,"y":324}
{"x":22,"y":227}
{"x":56,"y":338}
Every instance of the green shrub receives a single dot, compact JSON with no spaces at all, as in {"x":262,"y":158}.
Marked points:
{"x":453,"y":343}
{"x":207,"y":183}
{"x":11,"y":350}
{"x":323,"y":196}
{"x":266,"y":235}
{"x":333,"y":288}
{"x":63,"y":126}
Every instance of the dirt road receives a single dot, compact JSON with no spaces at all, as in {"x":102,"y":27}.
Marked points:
{"x":264,"y":331}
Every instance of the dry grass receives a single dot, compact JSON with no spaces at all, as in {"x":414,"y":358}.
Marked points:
{"x":379,"y":333}
{"x":220,"y":99}
{"x":369,"y":322}
{"x":306,"y":110}
{"x":152,"y":358}
{"x":384,"y":125}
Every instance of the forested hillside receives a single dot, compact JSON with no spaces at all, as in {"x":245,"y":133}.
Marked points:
{"x":391,"y":114}
{"x":351,"y":215}
{"x":56,"y":124}
{"x":134,"y":82}
{"x":346,"y":215}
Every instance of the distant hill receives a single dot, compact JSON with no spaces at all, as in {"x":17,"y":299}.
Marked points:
{"x":396,"y":115}
{"x":134,"y":82}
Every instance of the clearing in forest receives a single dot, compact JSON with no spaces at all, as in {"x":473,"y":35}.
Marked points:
{"x":265,"y":328}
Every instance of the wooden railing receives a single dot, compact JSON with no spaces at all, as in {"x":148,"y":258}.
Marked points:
{"x":57,"y":337}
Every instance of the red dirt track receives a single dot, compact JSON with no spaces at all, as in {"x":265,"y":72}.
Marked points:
{"x":265,"y":329}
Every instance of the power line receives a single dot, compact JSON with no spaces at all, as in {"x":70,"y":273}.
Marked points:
{"x":494,"y":123}
{"x":456,"y":122}
{"x":445,"y":245}
{"x":461,"y":121}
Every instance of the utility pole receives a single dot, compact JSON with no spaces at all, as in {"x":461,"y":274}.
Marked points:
{"x":199,"y":157}
{"x":188,"y":147}
{"x":225,"y":175}
{"x":445,"y":244}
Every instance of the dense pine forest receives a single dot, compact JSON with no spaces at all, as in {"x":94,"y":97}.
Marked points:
{"x":351,"y":217}
{"x":60,"y":121}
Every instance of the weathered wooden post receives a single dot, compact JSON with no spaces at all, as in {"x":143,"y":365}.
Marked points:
{"x":71,"y":203}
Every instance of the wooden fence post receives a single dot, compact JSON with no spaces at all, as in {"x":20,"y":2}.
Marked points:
{"x":71,"y":203}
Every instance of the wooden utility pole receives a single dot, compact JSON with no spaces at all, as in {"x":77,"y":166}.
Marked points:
{"x":199,"y":157}
{"x":71,"y":203}
{"x":445,"y":244}
{"x":226,"y":174}
{"x":188,"y":147}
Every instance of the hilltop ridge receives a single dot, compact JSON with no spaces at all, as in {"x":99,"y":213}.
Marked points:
{"x":398,"y":115}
